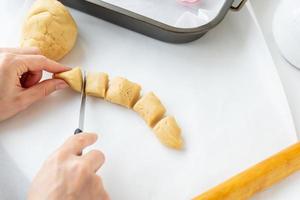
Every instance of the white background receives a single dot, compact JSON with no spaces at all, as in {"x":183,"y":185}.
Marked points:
{"x":223,"y":89}
{"x":290,"y":76}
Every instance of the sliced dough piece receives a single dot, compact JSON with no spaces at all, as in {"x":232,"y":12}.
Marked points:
{"x":72,"y":77}
{"x":96,"y":84}
{"x":168,"y":132}
{"x":150,"y":108}
{"x":50,"y":27}
{"x":123,"y":92}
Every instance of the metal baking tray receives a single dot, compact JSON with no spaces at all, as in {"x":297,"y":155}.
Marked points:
{"x":161,"y":26}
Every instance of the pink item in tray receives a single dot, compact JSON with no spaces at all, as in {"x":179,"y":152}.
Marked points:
{"x":190,"y":1}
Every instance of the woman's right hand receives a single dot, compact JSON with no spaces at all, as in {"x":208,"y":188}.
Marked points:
{"x":69,"y":175}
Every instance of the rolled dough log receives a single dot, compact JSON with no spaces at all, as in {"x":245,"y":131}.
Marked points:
{"x":150,"y":108}
{"x":72,"y":77}
{"x":168,"y":132}
{"x":123,"y":92}
{"x":96,"y":84}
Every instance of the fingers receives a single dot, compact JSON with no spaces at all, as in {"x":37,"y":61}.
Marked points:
{"x":26,"y":50}
{"x":99,"y":188}
{"x":76,"y":143}
{"x":41,"y":90}
{"x":29,"y":79}
{"x":100,"y":191}
{"x":104,"y":195}
{"x":94,"y":159}
{"x":25,"y":63}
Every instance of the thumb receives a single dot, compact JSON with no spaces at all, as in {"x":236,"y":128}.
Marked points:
{"x":41,"y":90}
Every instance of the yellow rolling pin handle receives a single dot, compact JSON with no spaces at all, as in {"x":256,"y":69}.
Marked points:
{"x":257,"y":178}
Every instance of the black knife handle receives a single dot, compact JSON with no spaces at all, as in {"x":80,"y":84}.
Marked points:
{"x":78,"y":130}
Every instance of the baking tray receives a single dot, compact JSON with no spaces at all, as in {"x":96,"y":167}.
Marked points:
{"x":149,"y":26}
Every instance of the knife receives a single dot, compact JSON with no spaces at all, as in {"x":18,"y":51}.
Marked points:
{"x":82,"y":107}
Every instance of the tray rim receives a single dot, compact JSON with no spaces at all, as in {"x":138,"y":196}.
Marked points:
{"x":146,"y":25}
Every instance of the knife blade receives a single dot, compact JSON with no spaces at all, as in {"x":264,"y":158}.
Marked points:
{"x":82,"y":107}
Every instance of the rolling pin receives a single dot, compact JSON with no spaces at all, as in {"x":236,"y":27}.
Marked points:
{"x":257,"y":178}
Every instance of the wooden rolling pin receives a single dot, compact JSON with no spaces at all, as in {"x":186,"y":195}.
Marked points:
{"x":257,"y":178}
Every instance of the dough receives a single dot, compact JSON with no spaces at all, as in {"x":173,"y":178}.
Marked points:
{"x":72,"y":77}
{"x":168,"y":132}
{"x":123,"y":92}
{"x":96,"y":84}
{"x":150,"y":108}
{"x":50,"y":27}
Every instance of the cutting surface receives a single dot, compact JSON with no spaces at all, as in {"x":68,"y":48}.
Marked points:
{"x":223,"y":89}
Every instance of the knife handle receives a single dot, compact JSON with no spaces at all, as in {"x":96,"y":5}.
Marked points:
{"x":78,"y":130}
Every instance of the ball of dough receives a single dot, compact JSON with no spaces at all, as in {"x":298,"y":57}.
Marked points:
{"x":169,"y":133}
{"x":72,"y":77}
{"x":150,"y":108}
{"x":50,"y":27}
{"x":123,"y":92}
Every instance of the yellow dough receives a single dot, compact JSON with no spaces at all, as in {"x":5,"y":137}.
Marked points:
{"x":72,"y":77}
{"x":96,"y":84}
{"x":150,"y":108}
{"x":123,"y":92}
{"x":168,"y":132}
{"x":50,"y":27}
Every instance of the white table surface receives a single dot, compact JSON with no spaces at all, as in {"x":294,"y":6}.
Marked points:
{"x":290,"y":76}
{"x":23,"y":153}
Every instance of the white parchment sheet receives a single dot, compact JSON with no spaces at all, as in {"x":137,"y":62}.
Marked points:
{"x":223,"y":90}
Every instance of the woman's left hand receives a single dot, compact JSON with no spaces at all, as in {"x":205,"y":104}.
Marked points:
{"x":20,"y":79}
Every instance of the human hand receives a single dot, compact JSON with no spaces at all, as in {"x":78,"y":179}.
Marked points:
{"x":69,"y":175}
{"x":20,"y":74}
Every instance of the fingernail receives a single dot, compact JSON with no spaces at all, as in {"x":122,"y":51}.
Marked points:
{"x":61,"y":85}
{"x":67,"y":68}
